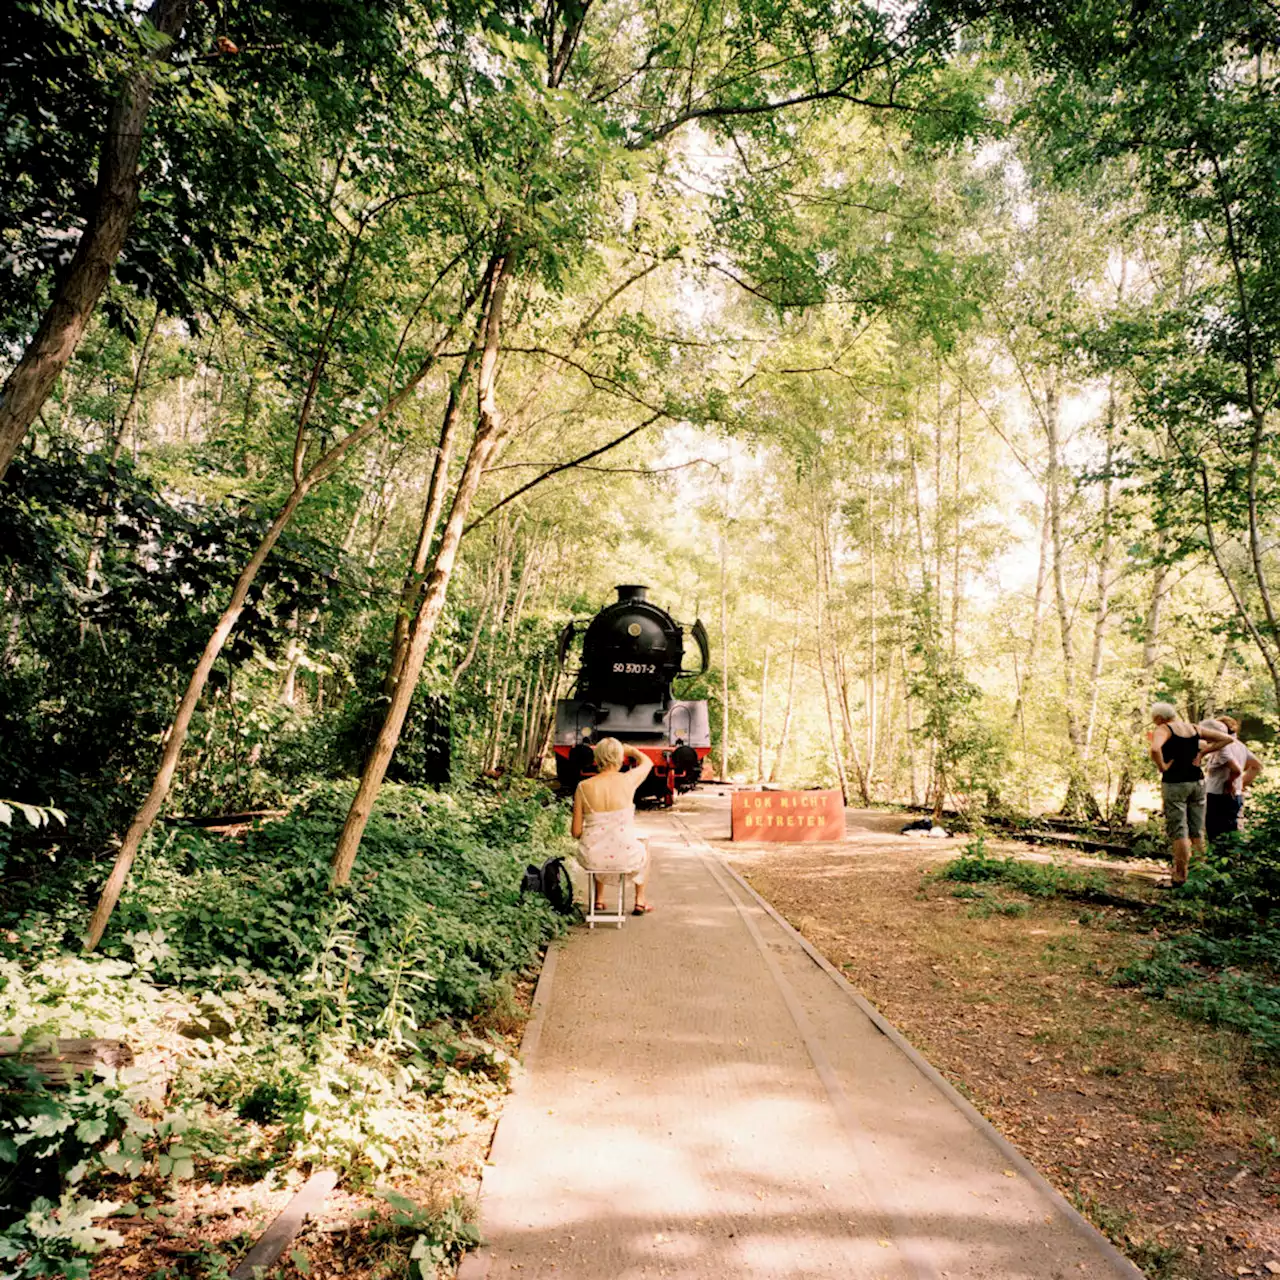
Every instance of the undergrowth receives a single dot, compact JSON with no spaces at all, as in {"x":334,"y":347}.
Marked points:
{"x":1036,"y":879}
{"x":1219,"y":958}
{"x":273,"y":1024}
{"x":1214,"y":945}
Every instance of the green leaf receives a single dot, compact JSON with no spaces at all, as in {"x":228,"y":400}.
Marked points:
{"x":91,"y":1130}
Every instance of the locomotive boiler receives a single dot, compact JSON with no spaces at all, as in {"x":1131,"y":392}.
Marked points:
{"x":632,"y":652}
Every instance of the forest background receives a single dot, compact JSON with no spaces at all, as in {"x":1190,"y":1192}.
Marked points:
{"x":927,"y":352}
{"x":927,"y":362}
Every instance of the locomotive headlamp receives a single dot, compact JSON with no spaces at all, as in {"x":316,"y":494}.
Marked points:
{"x":633,"y":629}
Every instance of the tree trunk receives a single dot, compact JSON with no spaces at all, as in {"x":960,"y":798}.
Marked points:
{"x":436,"y":490}
{"x":764,"y":700}
{"x":1119,"y":816}
{"x":1103,"y":616}
{"x":1037,"y":613}
{"x":937,"y":501}
{"x":1080,"y":798}
{"x":128,"y":422}
{"x":873,"y":656}
{"x":176,"y":735}
{"x":791,"y":700}
{"x":846,"y":719}
{"x":531,"y":730}
{"x":837,"y":752}
{"x":494,"y":745}
{"x":910,"y":728}
{"x":1215,"y":686}
{"x":1262,"y":635}
{"x":838,"y":671}
{"x":110,"y":215}
{"x":955,"y":527}
{"x":724,"y":652}
{"x":488,"y":435}
{"x":476,"y":632}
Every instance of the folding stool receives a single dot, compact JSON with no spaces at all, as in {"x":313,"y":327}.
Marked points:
{"x":594,"y":917}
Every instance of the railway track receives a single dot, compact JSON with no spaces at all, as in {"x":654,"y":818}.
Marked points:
{"x":1052,"y":831}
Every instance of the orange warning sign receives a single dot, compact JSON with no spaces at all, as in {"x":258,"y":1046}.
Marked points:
{"x":787,"y":817}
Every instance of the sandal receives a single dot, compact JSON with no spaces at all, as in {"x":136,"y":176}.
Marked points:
{"x":641,"y":911}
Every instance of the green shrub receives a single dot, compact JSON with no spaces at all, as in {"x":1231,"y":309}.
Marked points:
{"x":1199,"y":978}
{"x":1036,"y":879}
{"x":1234,"y":888}
{"x":1222,"y":964}
{"x":337,"y":1019}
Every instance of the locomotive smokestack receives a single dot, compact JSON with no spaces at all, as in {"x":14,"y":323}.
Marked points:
{"x":632,"y":591}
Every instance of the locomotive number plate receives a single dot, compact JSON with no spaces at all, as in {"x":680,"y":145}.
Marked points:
{"x":635,"y":668}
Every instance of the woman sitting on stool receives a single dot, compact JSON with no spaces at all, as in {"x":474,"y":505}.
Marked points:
{"x":604,"y":821}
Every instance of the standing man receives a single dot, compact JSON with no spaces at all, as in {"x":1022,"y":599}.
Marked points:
{"x":582,"y":759}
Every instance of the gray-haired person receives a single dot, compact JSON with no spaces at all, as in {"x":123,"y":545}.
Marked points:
{"x":1227,"y":773}
{"x":1176,"y":747}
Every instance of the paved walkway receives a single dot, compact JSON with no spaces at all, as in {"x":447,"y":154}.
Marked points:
{"x":704,"y":1099}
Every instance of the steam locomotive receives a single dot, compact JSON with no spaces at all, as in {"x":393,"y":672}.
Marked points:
{"x":632,"y":650}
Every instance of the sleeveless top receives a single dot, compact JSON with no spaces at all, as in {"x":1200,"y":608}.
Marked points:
{"x":1179,"y":753}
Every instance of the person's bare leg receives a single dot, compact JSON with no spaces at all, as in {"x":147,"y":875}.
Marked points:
{"x":1196,"y":844}
{"x":599,"y":884}
{"x":1181,"y":856}
{"x":638,"y":883}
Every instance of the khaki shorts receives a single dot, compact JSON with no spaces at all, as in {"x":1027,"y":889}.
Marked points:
{"x":1183,"y":809}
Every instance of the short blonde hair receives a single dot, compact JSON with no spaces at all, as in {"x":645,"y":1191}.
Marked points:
{"x":1213,"y":726}
{"x":1163,"y":711}
{"x":608,"y":753}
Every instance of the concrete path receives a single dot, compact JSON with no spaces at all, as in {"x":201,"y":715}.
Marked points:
{"x":703,"y":1098}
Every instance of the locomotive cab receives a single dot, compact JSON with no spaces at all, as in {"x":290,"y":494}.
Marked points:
{"x":632,"y":651}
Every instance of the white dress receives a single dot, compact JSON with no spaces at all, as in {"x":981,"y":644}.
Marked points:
{"x":611,"y":845}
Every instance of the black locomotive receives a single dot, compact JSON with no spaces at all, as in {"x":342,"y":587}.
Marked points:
{"x":632,"y":651}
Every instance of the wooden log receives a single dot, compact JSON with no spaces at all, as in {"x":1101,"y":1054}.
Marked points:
{"x":275,"y":1239}
{"x":224,"y":819}
{"x":60,"y":1061}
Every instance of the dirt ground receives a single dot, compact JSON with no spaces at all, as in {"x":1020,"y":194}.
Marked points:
{"x":1163,"y":1131}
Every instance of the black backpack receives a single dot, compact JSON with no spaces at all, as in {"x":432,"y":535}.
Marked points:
{"x":552,"y":881}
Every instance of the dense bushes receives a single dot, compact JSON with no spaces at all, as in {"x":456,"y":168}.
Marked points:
{"x":1220,"y":959}
{"x":286,"y":1023}
{"x":111,"y":586}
